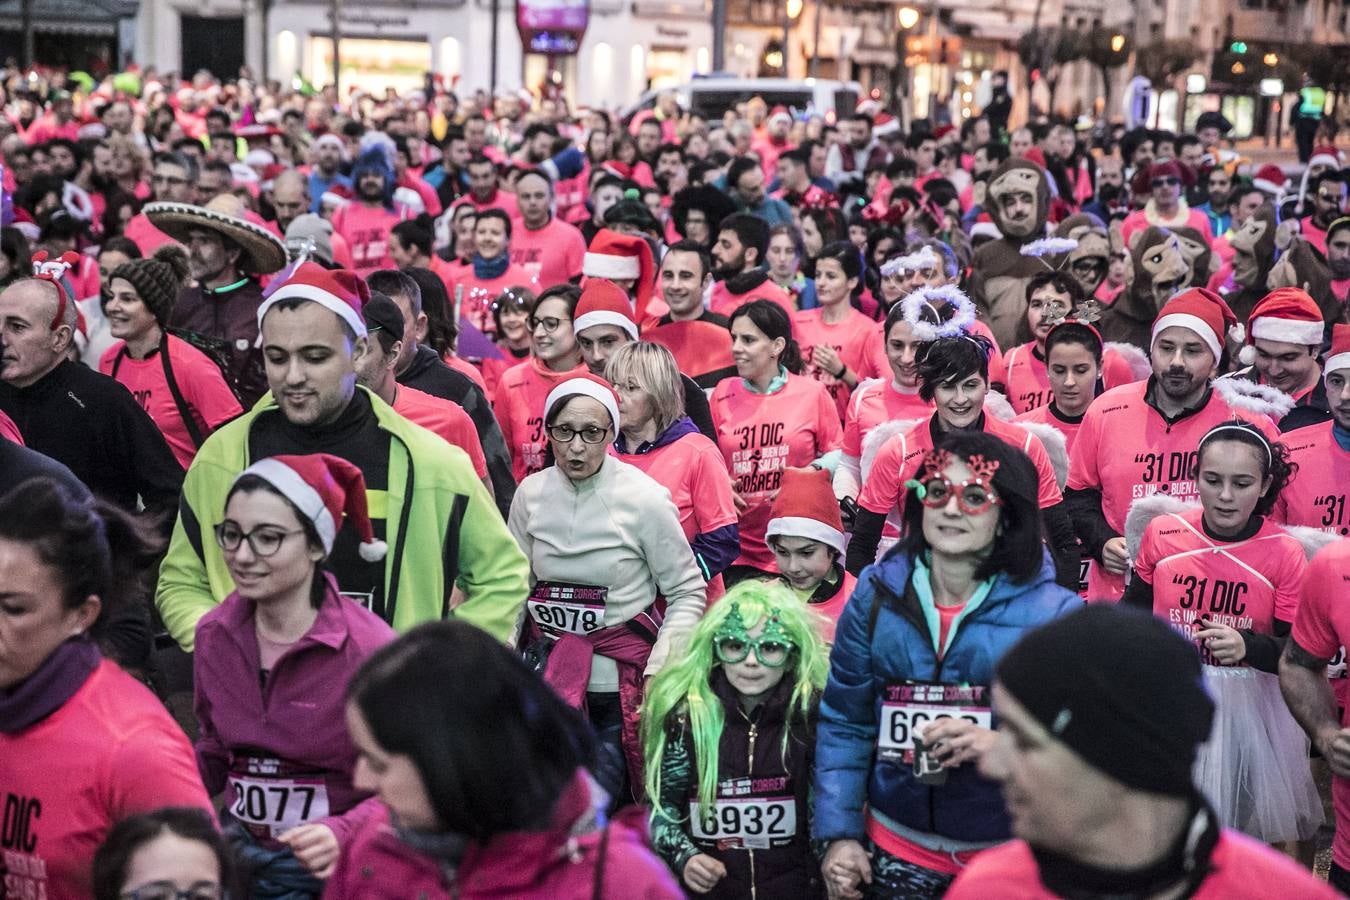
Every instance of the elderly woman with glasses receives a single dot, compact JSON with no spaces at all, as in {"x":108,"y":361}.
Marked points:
{"x":521,"y":390}
{"x":615,"y":590}
{"x":271,"y":664}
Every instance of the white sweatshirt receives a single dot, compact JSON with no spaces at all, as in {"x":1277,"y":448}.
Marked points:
{"x":618,"y":530}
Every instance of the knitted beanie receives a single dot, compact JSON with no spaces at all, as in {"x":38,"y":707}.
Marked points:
{"x":157,"y":280}
{"x":1120,"y":688}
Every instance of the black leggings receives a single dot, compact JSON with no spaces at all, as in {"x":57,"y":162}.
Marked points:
{"x":611,"y":767}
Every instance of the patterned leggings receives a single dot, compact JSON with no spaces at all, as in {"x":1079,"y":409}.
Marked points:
{"x":895,"y":879}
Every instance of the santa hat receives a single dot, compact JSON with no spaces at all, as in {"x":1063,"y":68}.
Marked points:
{"x":617,"y":257}
{"x":1338,"y":357}
{"x":1287,"y":315}
{"x":805,"y":508}
{"x":604,"y":303}
{"x":323,"y":487}
{"x":341,"y":291}
{"x":332,"y":140}
{"x":885,"y":124}
{"x":1271,"y":179}
{"x":985,"y":228}
{"x":780,"y":113}
{"x":1325,"y":156}
{"x":1203,"y":312}
{"x":585,"y":386}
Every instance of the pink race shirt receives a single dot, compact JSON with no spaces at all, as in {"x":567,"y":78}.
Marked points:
{"x":1316,"y":496}
{"x":1027,"y":378}
{"x":875,"y":401}
{"x":209,"y":399}
{"x":1047,"y":415}
{"x":366,"y":231}
{"x":692,"y":469}
{"x":552,"y":254}
{"x":477,"y":294}
{"x":723,"y":302}
{"x":760,"y":435}
{"x":520,"y":398}
{"x":899,"y":458}
{"x":1245,"y":584}
{"x":1322,"y":627}
{"x":445,"y":419}
{"x":1127,"y":450}
{"x":110,"y":752}
{"x":857,"y":340}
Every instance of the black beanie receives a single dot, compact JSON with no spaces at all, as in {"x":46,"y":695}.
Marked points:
{"x":1121,"y":689}
{"x":157,"y":280}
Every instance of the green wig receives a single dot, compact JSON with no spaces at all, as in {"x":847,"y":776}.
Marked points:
{"x":683,"y":687}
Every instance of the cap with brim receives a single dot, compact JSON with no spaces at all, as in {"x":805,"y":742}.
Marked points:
{"x":263,"y":252}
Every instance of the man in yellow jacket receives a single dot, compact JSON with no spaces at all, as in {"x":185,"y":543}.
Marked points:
{"x":439,"y":522}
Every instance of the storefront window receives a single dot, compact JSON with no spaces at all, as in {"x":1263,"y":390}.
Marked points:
{"x":371,"y":63}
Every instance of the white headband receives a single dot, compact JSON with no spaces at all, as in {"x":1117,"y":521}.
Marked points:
{"x":1202,"y":329}
{"x":1247,"y":430}
{"x":923,"y":258}
{"x":584,"y":387}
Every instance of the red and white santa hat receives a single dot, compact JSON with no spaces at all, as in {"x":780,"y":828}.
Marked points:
{"x":1287,"y":315}
{"x":1338,"y":357}
{"x":780,"y":113}
{"x":586,"y":385}
{"x":805,"y":508}
{"x":617,"y":256}
{"x":1271,"y":179}
{"x":1203,"y":312}
{"x":323,"y":488}
{"x":340,"y":290}
{"x":604,"y":303}
{"x":622,"y":257}
{"x":1324,"y":155}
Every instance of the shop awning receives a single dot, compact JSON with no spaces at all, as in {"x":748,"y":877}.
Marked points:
{"x":96,"y":18}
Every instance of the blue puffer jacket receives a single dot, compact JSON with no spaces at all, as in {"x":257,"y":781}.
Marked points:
{"x":864,"y":660}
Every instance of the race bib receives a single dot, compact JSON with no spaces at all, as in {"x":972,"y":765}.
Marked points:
{"x":271,"y":796}
{"x":749,"y":814}
{"x":559,"y":608}
{"x":908,"y":708}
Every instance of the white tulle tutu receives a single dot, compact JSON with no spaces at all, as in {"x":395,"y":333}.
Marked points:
{"x":1254,"y":767}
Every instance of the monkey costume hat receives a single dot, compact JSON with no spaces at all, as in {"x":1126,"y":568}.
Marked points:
{"x":1019,"y":203}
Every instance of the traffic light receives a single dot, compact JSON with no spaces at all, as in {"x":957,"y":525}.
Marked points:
{"x":1238,"y":47}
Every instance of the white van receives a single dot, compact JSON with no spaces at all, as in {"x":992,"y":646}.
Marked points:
{"x":710,"y":96}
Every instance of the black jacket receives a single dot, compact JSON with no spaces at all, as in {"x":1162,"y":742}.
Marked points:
{"x":93,"y":425}
{"x":751,"y":760}
{"x":428,"y":373}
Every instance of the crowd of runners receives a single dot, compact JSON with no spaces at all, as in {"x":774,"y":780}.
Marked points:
{"x":433,"y":496}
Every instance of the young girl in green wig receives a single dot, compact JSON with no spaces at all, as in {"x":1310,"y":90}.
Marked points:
{"x":728,"y":734}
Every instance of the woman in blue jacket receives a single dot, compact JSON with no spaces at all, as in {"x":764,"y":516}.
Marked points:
{"x":906,"y":709}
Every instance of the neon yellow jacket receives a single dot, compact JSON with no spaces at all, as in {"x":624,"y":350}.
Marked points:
{"x":439,"y":519}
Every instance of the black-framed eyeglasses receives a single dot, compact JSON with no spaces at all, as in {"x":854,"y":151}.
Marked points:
{"x":168,"y":179}
{"x":265,"y":540}
{"x":1166,"y":181}
{"x":591,"y":434}
{"x":1089,"y":264}
{"x":167,"y":890}
{"x":550,"y":323}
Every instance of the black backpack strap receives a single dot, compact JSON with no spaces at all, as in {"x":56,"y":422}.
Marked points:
{"x":184,"y":411}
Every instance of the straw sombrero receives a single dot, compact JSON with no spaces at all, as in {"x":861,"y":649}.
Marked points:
{"x":263,"y":253}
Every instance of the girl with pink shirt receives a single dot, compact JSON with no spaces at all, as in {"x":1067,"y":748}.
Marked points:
{"x":1228,"y":578}
{"x":840,"y":345}
{"x":523,"y":389}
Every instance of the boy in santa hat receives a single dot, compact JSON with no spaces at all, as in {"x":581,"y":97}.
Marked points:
{"x":1284,"y":337}
{"x":806,"y":534}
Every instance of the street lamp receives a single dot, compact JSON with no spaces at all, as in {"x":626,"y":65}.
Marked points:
{"x":1117,"y":43}
{"x":907,"y":17}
